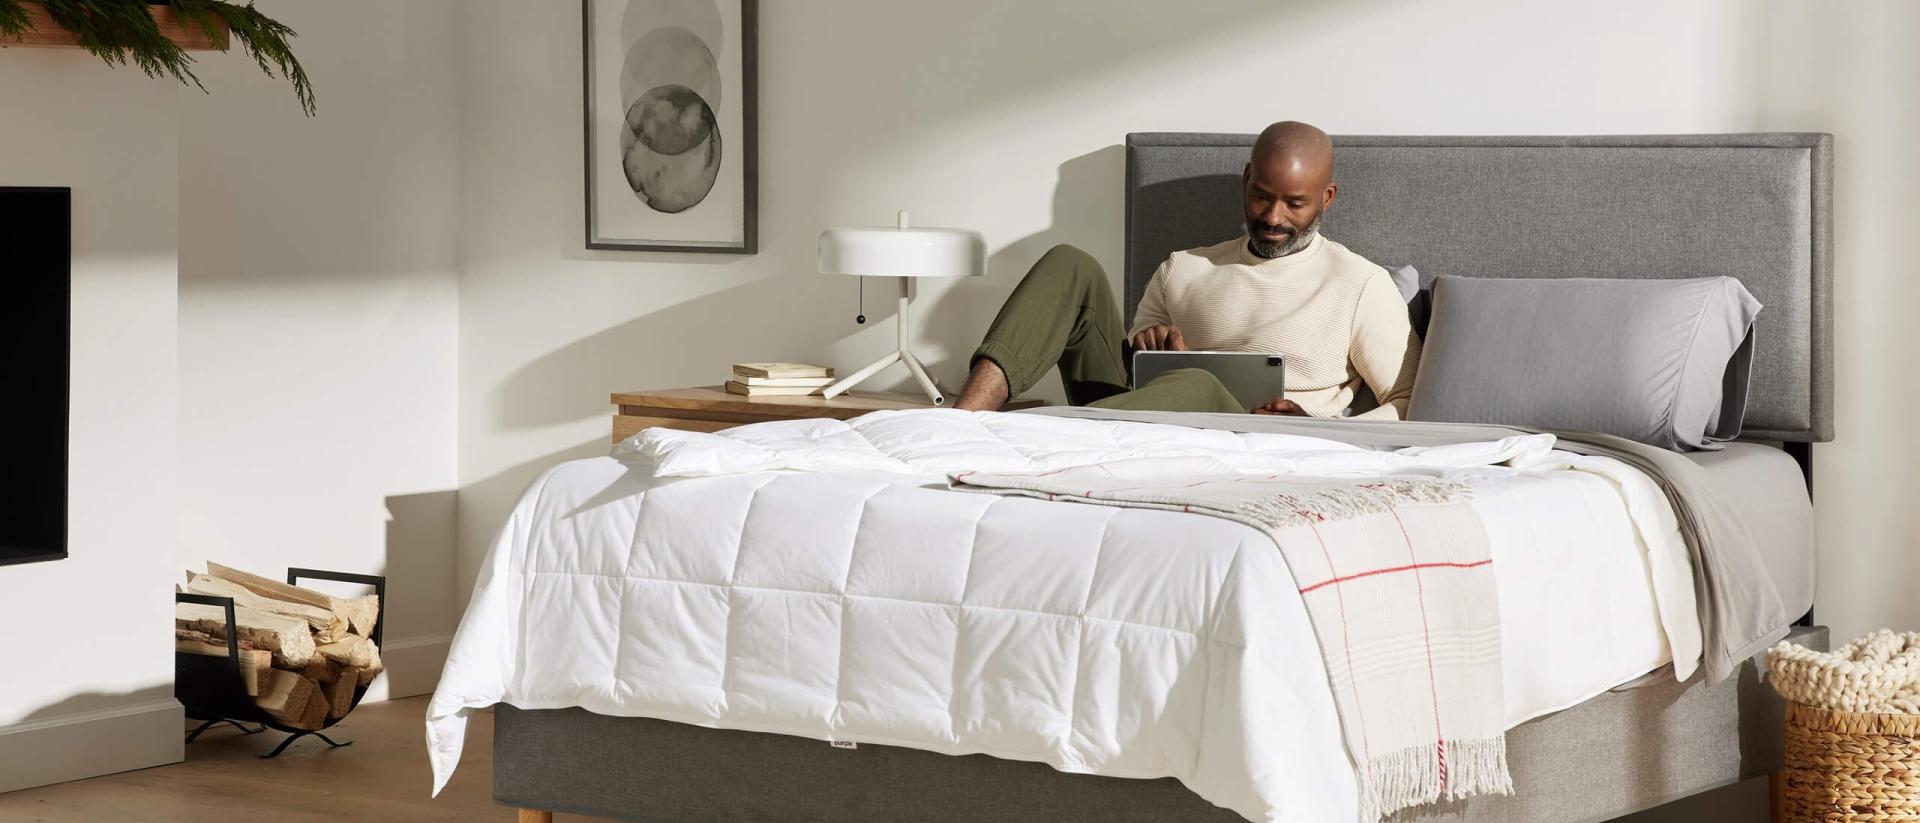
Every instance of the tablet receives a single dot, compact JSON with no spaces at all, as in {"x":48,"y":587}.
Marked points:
{"x":1253,"y":378}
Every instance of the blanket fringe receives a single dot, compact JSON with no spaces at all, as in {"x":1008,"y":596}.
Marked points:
{"x":1411,"y":777}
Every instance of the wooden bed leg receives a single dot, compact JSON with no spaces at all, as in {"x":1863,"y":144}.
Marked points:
{"x":1777,"y":797}
{"x":531,"y":816}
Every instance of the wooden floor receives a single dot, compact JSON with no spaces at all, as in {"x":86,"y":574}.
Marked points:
{"x":383,"y":776}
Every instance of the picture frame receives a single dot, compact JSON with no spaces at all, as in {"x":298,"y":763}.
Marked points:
{"x":669,"y":118}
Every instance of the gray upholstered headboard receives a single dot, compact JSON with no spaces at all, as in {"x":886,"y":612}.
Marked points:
{"x":1753,"y":206}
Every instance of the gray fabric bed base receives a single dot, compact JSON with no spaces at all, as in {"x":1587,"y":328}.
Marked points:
{"x":1613,"y":755}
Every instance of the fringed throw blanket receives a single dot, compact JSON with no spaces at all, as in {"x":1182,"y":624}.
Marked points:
{"x":1398,"y":581}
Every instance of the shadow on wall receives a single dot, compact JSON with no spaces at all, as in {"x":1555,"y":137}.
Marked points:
{"x":484,"y":504}
{"x":418,"y":614}
{"x":420,"y":609}
{"x":90,"y":734}
{"x":1088,"y":212}
{"x":1842,"y":69}
{"x":674,"y":346}
{"x":88,"y":703}
{"x":572,"y":383}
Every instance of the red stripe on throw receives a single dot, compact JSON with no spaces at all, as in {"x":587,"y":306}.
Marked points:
{"x":1366,"y":746}
{"x":1426,"y":636}
{"x":1407,"y":568}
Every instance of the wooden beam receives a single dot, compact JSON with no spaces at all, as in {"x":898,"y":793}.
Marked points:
{"x":44,"y":33}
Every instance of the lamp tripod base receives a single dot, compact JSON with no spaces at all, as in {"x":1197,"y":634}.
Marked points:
{"x":899,"y":355}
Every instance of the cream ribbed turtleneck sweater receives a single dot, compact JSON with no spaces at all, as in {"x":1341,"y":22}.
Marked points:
{"x":1336,"y":317}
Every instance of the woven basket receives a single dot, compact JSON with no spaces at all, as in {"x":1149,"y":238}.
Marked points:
{"x":1845,"y":766}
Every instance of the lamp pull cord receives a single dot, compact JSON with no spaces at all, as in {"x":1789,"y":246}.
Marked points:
{"x":861,"y":317}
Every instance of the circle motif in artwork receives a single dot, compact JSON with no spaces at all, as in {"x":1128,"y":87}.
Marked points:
{"x":670,"y":55}
{"x":672,"y":148}
{"x":670,"y":84}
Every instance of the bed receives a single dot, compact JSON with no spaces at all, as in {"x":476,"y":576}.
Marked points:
{"x":1750,"y":206}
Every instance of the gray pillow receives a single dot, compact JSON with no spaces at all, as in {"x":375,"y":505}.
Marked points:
{"x":1664,"y":362}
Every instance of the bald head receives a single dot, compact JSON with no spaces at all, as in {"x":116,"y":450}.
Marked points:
{"x":1295,"y":146}
{"x":1288,"y":185}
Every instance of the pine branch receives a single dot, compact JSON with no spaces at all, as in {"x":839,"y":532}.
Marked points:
{"x":13,"y":19}
{"x":266,"y":41}
{"x":123,"y":31}
{"x":119,"y":30}
{"x":263,"y":38}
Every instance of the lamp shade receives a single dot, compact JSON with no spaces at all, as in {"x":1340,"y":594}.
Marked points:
{"x":903,"y":252}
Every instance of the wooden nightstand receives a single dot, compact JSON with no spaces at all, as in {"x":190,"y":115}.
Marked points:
{"x":712,"y":408}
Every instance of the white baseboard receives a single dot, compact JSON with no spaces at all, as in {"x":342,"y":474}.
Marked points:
{"x":75,"y":746}
{"x":413,"y":667}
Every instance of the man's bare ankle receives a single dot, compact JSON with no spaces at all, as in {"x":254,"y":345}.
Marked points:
{"x":986,"y":388}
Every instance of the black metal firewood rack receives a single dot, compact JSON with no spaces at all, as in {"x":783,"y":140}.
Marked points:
{"x":214,"y":690}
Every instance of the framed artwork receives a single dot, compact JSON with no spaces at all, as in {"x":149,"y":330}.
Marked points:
{"x":669,"y":106}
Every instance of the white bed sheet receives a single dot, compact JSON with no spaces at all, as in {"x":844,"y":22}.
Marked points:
{"x":866,"y":602}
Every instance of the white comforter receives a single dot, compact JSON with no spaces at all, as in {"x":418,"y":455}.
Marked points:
{"x":816,"y":578}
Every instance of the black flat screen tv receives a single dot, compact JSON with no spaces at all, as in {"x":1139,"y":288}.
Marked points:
{"x":35,"y":353}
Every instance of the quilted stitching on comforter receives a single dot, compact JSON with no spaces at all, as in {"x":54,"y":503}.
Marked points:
{"x":861,"y":600}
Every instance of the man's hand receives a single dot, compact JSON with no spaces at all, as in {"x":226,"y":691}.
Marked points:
{"x":1281,"y":405}
{"x":1164,"y":337}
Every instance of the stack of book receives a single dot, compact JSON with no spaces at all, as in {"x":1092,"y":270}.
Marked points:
{"x":775,"y":379}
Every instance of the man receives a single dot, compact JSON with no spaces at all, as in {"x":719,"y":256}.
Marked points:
{"x":1282,"y":287}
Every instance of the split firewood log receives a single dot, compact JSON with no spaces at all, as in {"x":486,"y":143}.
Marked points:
{"x":254,"y":662}
{"x":374,"y":666}
{"x":315,"y":715}
{"x":289,"y":638}
{"x":287,"y":697}
{"x":364,"y":611}
{"x":353,"y":651}
{"x":340,"y":694}
{"x":221,"y":641}
{"x":327,"y":624}
{"x":323,"y":671}
{"x":360,"y":612}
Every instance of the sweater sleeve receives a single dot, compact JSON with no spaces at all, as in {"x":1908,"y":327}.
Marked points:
{"x":1384,"y":350}
{"x":1152,"y":310}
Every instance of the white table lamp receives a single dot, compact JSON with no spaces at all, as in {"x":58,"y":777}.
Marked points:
{"x":905,"y":253}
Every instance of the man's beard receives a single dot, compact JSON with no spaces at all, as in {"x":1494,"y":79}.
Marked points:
{"x":1296,"y":241}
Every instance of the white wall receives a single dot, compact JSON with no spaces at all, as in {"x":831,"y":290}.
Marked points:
{"x":1006,"y":115}
{"x":1852,"y":69}
{"x":317,"y":315}
{"x":87,"y":683}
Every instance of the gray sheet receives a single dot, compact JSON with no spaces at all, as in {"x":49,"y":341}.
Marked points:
{"x":1762,"y":486}
{"x":1740,"y":611}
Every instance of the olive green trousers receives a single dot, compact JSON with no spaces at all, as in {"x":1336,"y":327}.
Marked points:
{"x":1063,"y":314}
